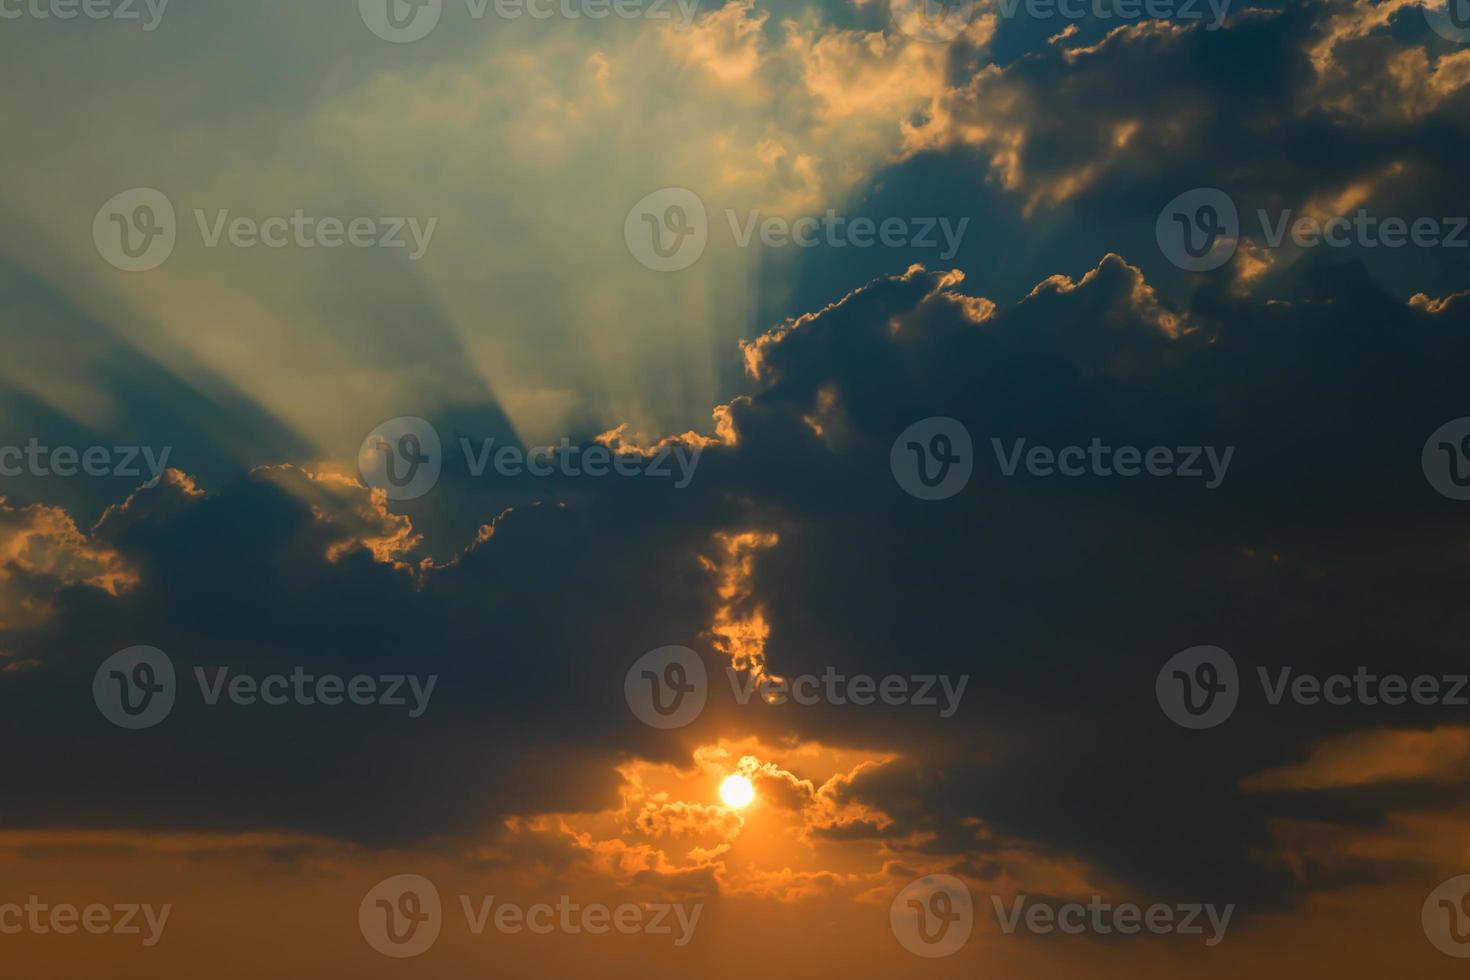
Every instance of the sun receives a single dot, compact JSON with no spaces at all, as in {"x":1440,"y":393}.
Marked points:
{"x":737,"y":792}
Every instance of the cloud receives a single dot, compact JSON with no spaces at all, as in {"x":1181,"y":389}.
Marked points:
{"x":1364,"y":759}
{"x":1087,"y":587}
{"x":43,"y":552}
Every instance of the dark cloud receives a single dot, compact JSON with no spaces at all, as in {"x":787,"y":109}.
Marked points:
{"x":1060,"y":598}
{"x":1289,"y":106}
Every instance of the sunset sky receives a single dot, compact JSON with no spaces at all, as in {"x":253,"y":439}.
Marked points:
{"x":749,"y":488}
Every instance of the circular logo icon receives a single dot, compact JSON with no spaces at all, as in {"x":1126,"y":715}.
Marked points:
{"x":401,"y":916}
{"x":401,"y":21}
{"x":667,"y":230}
{"x":933,"y":916}
{"x":1199,"y":687}
{"x":1446,"y":916}
{"x":1446,"y":459}
{"x":135,"y":688}
{"x":667,"y":687}
{"x":933,"y":459}
{"x":402,"y":457}
{"x":136,"y":231}
{"x":1199,"y":230}
{"x":932,"y":20}
{"x":1450,"y":19}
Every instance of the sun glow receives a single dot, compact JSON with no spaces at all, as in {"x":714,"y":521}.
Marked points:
{"x":737,"y":792}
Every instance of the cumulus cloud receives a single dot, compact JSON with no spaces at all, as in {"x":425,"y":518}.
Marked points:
{"x":42,"y":551}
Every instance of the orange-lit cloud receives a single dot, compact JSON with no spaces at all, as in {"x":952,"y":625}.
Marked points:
{"x":1438,"y":755}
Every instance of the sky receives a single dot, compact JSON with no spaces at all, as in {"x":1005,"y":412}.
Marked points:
{"x":753,"y":488}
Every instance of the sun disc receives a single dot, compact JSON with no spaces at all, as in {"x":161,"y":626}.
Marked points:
{"x":737,"y":792}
